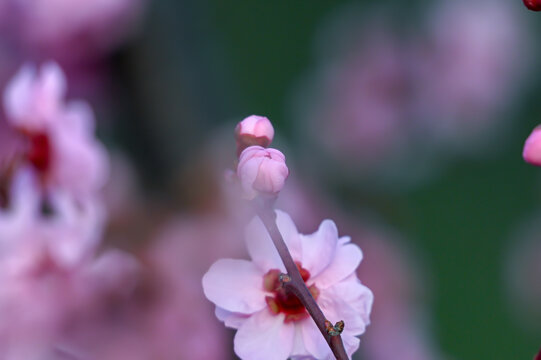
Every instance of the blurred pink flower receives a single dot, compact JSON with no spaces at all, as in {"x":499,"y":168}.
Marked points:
{"x":166,"y":316}
{"x":360,"y":107}
{"x":400,"y":316}
{"x":48,"y":269}
{"x":38,"y":304}
{"x":67,"y":235}
{"x":470,"y":71}
{"x":59,"y":136}
{"x":273,"y":324}
{"x":72,"y":30}
{"x":262,"y":171}
{"x":532,"y":147}
{"x":253,"y":130}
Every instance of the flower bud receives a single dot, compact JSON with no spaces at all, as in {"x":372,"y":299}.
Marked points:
{"x":254,"y":130}
{"x":532,"y":147}
{"x":262,"y":171}
{"x":534,"y":5}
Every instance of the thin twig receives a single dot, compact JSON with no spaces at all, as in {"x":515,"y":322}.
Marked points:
{"x":296,"y":284}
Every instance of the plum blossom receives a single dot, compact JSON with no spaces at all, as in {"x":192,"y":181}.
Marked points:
{"x":58,"y":136}
{"x":67,"y":235}
{"x":51,"y":219}
{"x":262,"y":171}
{"x":167,"y":315}
{"x":273,"y":324}
{"x":48,"y":267}
{"x":254,"y":130}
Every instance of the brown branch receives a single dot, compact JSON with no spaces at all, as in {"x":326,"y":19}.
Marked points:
{"x":296,"y":284}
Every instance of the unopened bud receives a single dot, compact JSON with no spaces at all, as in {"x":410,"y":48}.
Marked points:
{"x":254,"y":130}
{"x":532,"y":147}
{"x":262,"y":171}
{"x":534,"y":5}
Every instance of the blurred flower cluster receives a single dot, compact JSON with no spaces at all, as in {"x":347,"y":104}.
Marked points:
{"x":391,"y":102}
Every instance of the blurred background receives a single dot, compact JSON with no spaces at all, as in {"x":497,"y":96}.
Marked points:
{"x":402,"y":121}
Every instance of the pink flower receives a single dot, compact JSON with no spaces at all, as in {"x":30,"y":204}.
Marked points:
{"x":60,"y":143}
{"x":262,"y":171}
{"x":471,"y":71}
{"x":72,"y":30}
{"x":532,"y":147}
{"x":65,"y":237}
{"x":254,"y":130}
{"x":272,"y":324}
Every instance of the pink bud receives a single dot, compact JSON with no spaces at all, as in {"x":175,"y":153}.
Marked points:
{"x":532,"y":147}
{"x":262,"y":171}
{"x":254,"y":130}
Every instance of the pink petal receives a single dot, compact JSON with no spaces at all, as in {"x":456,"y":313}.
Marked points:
{"x":346,"y":259}
{"x":230,"y":319}
{"x":356,"y":295}
{"x":261,"y":248}
{"x":318,"y":248}
{"x":351,"y":343}
{"x":53,"y":82}
{"x":235,"y":285}
{"x":532,"y":147}
{"x":79,"y":117}
{"x":265,"y":336}
{"x":349,"y":301}
{"x":18,"y":93}
{"x":80,"y":163}
{"x":299,"y":350}
{"x":313,"y":340}
{"x":247,"y":174}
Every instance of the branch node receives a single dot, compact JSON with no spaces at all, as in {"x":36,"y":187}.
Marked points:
{"x":335,"y":330}
{"x":284,"y":279}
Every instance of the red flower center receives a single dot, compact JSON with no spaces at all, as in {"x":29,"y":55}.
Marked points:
{"x":39,"y":152}
{"x":283,"y":301}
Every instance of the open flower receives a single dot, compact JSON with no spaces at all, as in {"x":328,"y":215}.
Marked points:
{"x":59,"y":135}
{"x":273,"y":324}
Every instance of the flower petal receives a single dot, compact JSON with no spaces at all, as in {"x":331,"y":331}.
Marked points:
{"x":346,"y":259}
{"x":17,"y":95}
{"x":230,"y":319}
{"x":350,"y":301}
{"x":299,"y":350}
{"x":318,"y":248}
{"x":313,"y":340}
{"x":265,"y":336}
{"x":356,"y":295}
{"x":235,"y":285}
{"x":53,"y":82}
{"x":351,"y":343}
{"x":261,"y":248}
